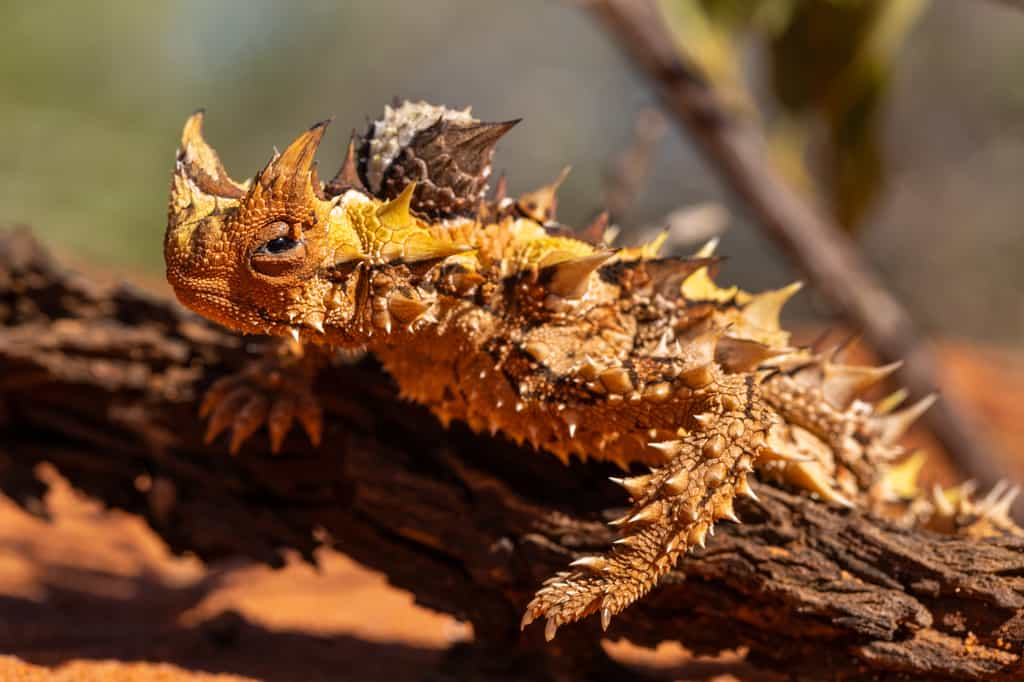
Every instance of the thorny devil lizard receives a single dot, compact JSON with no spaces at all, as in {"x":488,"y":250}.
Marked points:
{"x":486,"y":311}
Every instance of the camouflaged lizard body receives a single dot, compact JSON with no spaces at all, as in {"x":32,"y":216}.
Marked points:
{"x":485,"y":314}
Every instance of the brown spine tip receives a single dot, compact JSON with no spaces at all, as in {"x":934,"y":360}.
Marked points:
{"x":347,"y":176}
{"x":446,"y":152}
{"x":289,"y":174}
{"x":200,"y":162}
{"x":541,"y":204}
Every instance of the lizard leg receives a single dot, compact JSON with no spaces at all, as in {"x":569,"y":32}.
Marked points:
{"x":674,"y":508}
{"x":275,"y":389}
{"x":958,"y":511}
{"x":839,"y":445}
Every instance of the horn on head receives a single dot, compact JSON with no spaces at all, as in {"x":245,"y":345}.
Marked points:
{"x":289,"y":175}
{"x":199,"y":162}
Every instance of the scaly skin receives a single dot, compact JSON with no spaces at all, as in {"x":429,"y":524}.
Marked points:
{"x":483,"y":314}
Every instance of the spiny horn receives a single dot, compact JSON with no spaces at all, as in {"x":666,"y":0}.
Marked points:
{"x":289,"y":173}
{"x":540,"y":204}
{"x":708,"y":249}
{"x":653,"y":248}
{"x":397,"y":214}
{"x":421,"y":247}
{"x":635,"y":485}
{"x":811,"y":476}
{"x":844,"y":383}
{"x":569,"y":278}
{"x":405,"y":309}
{"x":201,"y":164}
{"x":408,"y":242}
{"x":348,"y":175}
{"x":700,"y":286}
{"x":668,"y":274}
{"x":450,"y":161}
{"x":891,"y":401}
{"x":702,"y":341}
{"x":764,"y":309}
{"x":471,"y":146}
{"x":900,"y":482}
{"x":745,"y":355}
{"x":892,"y":426}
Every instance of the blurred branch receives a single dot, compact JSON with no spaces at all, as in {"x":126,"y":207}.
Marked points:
{"x":735,"y":147}
{"x":1015,"y":4}
{"x":626,"y":176}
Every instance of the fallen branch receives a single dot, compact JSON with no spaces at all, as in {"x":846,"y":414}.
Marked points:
{"x":736,"y":149}
{"x":103,"y":383}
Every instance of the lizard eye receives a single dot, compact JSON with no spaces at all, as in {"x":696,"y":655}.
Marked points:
{"x":278,"y":245}
{"x":278,"y":253}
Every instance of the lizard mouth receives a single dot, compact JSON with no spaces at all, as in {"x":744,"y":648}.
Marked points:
{"x":218,"y":308}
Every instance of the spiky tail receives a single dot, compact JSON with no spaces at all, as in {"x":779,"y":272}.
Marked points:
{"x":674,"y":508}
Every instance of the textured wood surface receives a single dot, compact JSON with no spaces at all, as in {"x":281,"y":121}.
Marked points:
{"x":104,"y":382}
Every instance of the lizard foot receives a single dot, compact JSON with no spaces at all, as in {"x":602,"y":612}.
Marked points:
{"x":674,"y":509}
{"x":958,"y":511}
{"x":275,"y":389}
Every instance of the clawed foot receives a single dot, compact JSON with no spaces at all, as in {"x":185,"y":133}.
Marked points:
{"x":958,"y":511}
{"x":276,"y":389}
{"x":675,"y":508}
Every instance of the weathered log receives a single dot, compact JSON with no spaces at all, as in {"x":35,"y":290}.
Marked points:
{"x":103,"y":382}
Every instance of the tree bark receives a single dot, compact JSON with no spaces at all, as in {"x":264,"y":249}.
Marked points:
{"x":103,"y":382}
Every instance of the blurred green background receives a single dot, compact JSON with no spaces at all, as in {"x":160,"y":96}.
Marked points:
{"x":93,"y":95}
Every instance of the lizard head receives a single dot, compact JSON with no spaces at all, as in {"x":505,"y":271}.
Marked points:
{"x":281,"y":255}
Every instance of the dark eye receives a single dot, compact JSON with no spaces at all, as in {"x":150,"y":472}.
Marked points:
{"x":279,"y":245}
{"x":279,"y":252}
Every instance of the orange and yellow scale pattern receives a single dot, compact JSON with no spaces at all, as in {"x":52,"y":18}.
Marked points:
{"x":486,"y":314}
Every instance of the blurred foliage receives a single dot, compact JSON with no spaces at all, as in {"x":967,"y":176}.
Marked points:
{"x":94,"y":93}
{"x":829,"y":64}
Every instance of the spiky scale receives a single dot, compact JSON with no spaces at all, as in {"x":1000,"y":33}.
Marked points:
{"x":843,"y":383}
{"x":713,"y":446}
{"x":679,"y":483}
{"x":724,"y":510}
{"x":745,"y":355}
{"x":569,"y":278}
{"x":406,"y":309}
{"x":521,"y":329}
{"x":347,"y":176}
{"x":743,"y":488}
{"x":891,"y":401}
{"x":315,"y":321}
{"x":648,"y":514}
{"x":697,"y":377}
{"x":697,"y":536}
{"x":892,"y":426}
{"x":541,"y":204}
{"x":715,"y":475}
{"x":668,"y":447}
{"x":592,"y":563}
{"x":616,"y":380}
{"x":635,"y":485}
{"x":445,"y":152}
{"x":666,"y":275}
{"x":764,"y":309}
